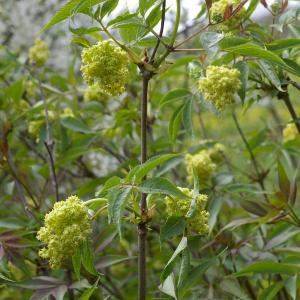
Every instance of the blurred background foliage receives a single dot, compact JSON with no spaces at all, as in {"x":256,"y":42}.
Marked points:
{"x":253,"y":215}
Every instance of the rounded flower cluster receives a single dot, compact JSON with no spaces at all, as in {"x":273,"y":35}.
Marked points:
{"x":217,"y":152}
{"x":218,"y":9}
{"x":94,"y":93}
{"x":276,"y":6}
{"x":219,"y":85}
{"x":39,"y":53}
{"x":107,"y":65}
{"x":202,"y":164}
{"x":67,"y":226}
{"x":198,"y":222}
{"x":290,"y":132}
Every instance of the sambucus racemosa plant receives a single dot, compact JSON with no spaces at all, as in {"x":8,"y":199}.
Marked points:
{"x":204,"y":219}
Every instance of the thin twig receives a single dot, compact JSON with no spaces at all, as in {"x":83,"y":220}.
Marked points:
{"x":162,"y":24}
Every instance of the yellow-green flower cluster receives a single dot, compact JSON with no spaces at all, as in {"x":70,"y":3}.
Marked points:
{"x":218,"y":9}
{"x":94,"y":93}
{"x":290,"y":132}
{"x":107,"y":65}
{"x":198,"y":222}
{"x":202,"y":164}
{"x":39,"y":53}
{"x":217,"y":152}
{"x":220,"y":85}
{"x":67,"y":226}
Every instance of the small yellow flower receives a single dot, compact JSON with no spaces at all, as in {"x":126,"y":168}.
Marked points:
{"x":67,"y":226}
{"x":198,"y":222}
{"x":220,"y":85}
{"x":200,"y":163}
{"x":39,"y":53}
{"x":107,"y":65}
{"x":290,"y":132}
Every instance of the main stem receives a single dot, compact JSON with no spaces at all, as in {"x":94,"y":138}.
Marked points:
{"x":142,"y":226}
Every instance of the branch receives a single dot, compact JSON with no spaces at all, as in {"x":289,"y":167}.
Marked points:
{"x":162,"y":24}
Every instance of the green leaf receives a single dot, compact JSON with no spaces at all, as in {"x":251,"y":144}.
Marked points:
{"x":256,"y":51}
{"x":291,"y":286}
{"x":270,"y":292}
{"x":268,"y":267}
{"x":87,"y":258}
{"x":187,"y":116}
{"x":173,"y":227}
{"x":210,"y":39}
{"x":68,"y":10}
{"x":144,"y":5}
{"x":107,"y":7}
{"x":184,"y":267}
{"x":175,"y":123}
{"x":174,"y":96}
{"x":75,"y":124}
{"x":279,"y":45}
{"x":270,"y":73}
{"x":233,"y":287}
{"x":284,"y":182}
{"x":244,"y":69}
{"x":87,"y":293}
{"x":194,"y":274}
{"x":117,"y":207}
{"x":159,"y":185}
{"x":15,"y":90}
{"x":150,"y":164}
{"x":110,"y":260}
{"x":168,"y":286}
{"x":76,"y":261}
{"x":168,"y":268}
